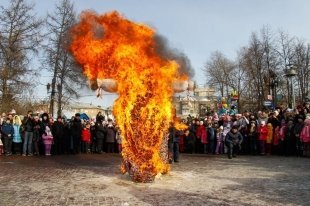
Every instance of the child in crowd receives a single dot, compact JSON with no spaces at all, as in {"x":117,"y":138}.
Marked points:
{"x":277,"y":137}
{"x":17,"y":137}
{"x":269,"y":138}
{"x":36,"y":135}
{"x":305,"y":138}
{"x":227,"y":124}
{"x":86,"y":138}
{"x":7,"y":132}
{"x":219,"y":140}
{"x":47,"y":140}
{"x":263,"y":132}
{"x":252,"y":136}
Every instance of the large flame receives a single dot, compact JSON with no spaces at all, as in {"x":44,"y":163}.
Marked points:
{"x":110,"y":46}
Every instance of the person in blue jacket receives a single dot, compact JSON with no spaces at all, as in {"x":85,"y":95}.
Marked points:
{"x":7,"y":131}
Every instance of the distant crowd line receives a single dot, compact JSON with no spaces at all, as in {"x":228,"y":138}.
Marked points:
{"x":278,"y":132}
{"x":40,"y":134}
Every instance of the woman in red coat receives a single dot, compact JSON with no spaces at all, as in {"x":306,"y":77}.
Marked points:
{"x":201,"y":134}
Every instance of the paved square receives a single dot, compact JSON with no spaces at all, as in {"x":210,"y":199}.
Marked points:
{"x":197,"y":180}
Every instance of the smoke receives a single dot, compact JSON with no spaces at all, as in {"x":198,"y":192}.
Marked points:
{"x":164,"y":51}
{"x":97,"y":29}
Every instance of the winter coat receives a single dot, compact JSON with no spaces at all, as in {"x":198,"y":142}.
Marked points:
{"x":47,"y":136}
{"x":219,"y":137}
{"x":172,"y":134}
{"x":263,"y":132}
{"x":28,"y":124}
{"x":58,"y":130}
{"x":252,"y":131}
{"x":17,"y":137}
{"x":274,"y":121}
{"x":298,"y":128}
{"x":7,"y":130}
{"x":211,"y":133}
{"x":47,"y":139}
{"x":110,"y":134}
{"x":289,"y":132}
{"x":86,"y":135}
{"x":233,"y":138}
{"x":282,"y":132}
{"x":305,"y":132}
{"x":37,"y":131}
{"x":100,"y":131}
{"x":190,"y":139}
{"x":276,"y":136}
{"x":269,"y":133}
{"x":201,"y":134}
{"x":76,"y":128}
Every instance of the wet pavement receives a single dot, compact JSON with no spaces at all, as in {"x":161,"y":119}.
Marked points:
{"x":92,"y":179}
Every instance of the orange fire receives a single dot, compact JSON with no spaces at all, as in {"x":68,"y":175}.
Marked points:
{"x":110,"y":46}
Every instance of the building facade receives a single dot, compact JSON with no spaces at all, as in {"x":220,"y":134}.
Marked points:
{"x":196,"y":103}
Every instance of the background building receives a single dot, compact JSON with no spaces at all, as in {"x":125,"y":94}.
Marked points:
{"x":196,"y":103}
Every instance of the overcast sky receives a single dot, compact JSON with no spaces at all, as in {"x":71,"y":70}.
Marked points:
{"x":200,"y":27}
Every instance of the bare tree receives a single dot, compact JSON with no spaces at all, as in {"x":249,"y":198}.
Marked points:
{"x":301,"y":61}
{"x":19,"y":39}
{"x":66,"y":76}
{"x":218,"y":71}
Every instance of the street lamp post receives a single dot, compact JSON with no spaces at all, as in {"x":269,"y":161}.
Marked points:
{"x":290,"y":73}
{"x":274,"y":83}
{"x":52,"y":101}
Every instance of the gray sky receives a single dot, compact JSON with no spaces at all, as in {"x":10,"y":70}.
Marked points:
{"x":200,"y":27}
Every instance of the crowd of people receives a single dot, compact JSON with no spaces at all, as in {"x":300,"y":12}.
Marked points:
{"x":40,"y":134}
{"x":277,"y":132}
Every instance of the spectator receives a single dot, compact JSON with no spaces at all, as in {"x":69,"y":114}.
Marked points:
{"x":219,"y":140}
{"x":76,"y":130}
{"x":233,"y":142}
{"x":86,"y":138}
{"x":110,"y":132}
{"x":263,"y":132}
{"x":269,"y":139}
{"x":305,"y":138}
{"x":100,"y":135}
{"x":211,"y":135}
{"x":17,"y":137}
{"x":7,"y":131}
{"x":252,"y":137}
{"x":36,"y":135}
{"x":28,"y":126}
{"x":58,"y":134}
{"x":189,"y":141}
{"x":201,"y":134}
{"x":47,"y":140}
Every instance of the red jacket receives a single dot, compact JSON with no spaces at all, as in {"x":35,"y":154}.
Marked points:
{"x":201,"y":133}
{"x":305,"y":133}
{"x":263,"y":131}
{"x":86,"y":135}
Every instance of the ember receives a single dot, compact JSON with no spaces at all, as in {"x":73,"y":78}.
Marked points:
{"x":112,"y":47}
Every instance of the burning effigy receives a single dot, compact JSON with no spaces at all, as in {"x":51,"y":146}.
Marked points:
{"x":130,"y":59}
